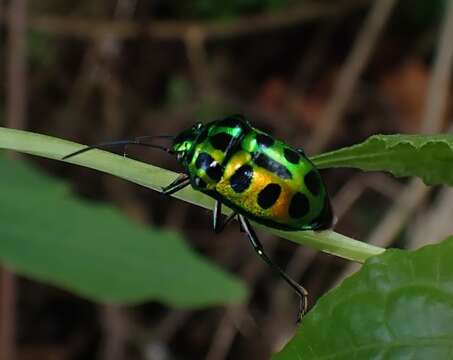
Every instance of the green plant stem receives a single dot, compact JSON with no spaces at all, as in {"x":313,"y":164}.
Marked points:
{"x":155,"y":178}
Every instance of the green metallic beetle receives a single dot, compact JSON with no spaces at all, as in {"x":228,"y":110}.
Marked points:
{"x":258,"y":177}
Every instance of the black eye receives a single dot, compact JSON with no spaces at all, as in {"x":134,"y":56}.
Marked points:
{"x":197,"y":126}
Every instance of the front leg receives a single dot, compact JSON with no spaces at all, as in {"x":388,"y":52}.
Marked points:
{"x":180,"y":183}
{"x":217,"y":223}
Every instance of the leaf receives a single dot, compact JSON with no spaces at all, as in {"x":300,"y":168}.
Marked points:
{"x":155,"y":178}
{"x":93,"y":250}
{"x":398,"y":306}
{"x":427,"y":156}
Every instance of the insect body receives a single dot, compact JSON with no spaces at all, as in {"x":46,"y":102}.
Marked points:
{"x":258,"y":177}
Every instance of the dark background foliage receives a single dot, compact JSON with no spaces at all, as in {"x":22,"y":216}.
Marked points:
{"x":92,"y":71}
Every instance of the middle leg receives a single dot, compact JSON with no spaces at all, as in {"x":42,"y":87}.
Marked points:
{"x":217,"y":223}
{"x":299,"y":289}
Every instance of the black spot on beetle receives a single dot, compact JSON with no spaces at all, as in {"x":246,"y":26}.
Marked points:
{"x":264,"y":140}
{"x":299,"y":206}
{"x":221,"y":141}
{"x":313,"y":182}
{"x":271,"y":165}
{"x":269,"y":195}
{"x":292,"y":156}
{"x":204,"y":161}
{"x":215,"y":172}
{"x":241,"y":179}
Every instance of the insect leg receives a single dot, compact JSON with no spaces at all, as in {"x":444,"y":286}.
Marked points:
{"x":181,"y":182}
{"x":300,"y":290}
{"x":301,"y":151}
{"x":217,"y":223}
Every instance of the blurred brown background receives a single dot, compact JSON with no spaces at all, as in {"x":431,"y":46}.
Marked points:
{"x":319,"y":74}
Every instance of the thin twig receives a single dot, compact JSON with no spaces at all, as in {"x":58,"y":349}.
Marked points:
{"x":16,"y":99}
{"x":404,"y":206}
{"x":227,"y":329}
{"x":353,"y":190}
{"x":350,"y":74}
{"x":436,"y":102}
{"x":194,"y":41}
{"x":436,"y":224}
{"x":7,"y":315}
{"x":115,"y":332}
{"x":392,"y":223}
{"x":176,"y":30}
{"x":170,"y":325}
{"x":16,"y":105}
{"x":224,"y":336}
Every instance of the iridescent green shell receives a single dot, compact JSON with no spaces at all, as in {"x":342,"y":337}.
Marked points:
{"x":254,"y":174}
